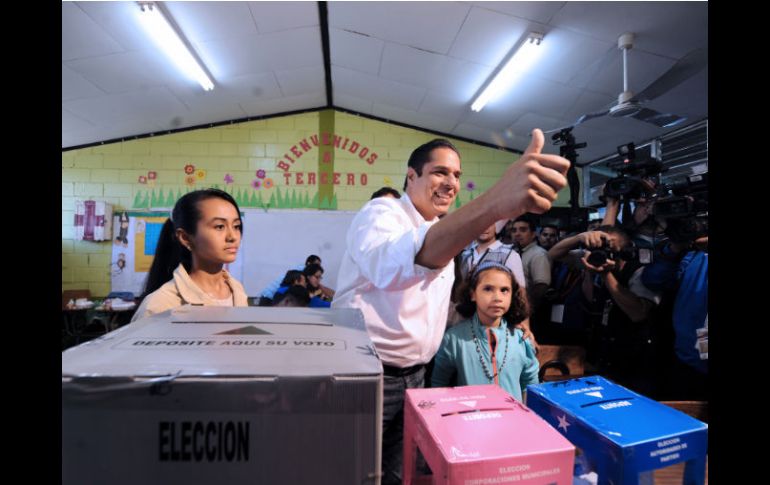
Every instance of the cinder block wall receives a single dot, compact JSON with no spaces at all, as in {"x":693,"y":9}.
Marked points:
{"x":150,"y":173}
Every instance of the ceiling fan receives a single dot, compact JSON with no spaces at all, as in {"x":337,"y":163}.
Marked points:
{"x":630,"y":105}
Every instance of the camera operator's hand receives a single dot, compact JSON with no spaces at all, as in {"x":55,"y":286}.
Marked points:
{"x":701,"y":244}
{"x":648,"y":185}
{"x":588,"y":239}
{"x":603,"y":269}
{"x":593,"y":239}
{"x":612,"y":209}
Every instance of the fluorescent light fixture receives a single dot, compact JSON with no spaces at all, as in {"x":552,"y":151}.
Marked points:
{"x":171,"y":41}
{"x":518,"y":63}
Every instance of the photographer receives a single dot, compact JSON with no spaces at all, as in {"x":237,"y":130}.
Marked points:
{"x":646,"y":231}
{"x":568,"y":318}
{"x":637,"y":183}
{"x":570,"y":306}
{"x":682,"y":274}
{"x":618,"y":306}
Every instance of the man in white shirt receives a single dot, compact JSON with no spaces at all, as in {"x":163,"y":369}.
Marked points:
{"x":398,"y":266}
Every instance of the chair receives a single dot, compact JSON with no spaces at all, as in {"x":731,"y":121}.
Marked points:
{"x":568,"y":360}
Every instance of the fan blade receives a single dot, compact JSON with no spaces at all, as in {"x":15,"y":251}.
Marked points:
{"x":666,"y":120}
{"x":582,"y":119}
{"x":683,"y":70}
{"x":590,"y":116}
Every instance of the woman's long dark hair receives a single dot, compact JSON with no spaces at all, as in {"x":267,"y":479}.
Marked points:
{"x":291,"y":278}
{"x":519,"y":309}
{"x":169,"y":252}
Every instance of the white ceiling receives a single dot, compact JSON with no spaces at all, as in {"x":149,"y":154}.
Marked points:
{"x":416,"y":63}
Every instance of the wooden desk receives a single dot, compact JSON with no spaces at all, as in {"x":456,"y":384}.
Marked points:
{"x":673,"y":474}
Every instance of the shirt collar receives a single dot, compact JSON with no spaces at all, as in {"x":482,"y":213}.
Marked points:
{"x":480,"y":329}
{"x":413,"y":212}
{"x":189,"y":291}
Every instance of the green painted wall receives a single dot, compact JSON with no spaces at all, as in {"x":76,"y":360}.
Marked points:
{"x":325,"y":160}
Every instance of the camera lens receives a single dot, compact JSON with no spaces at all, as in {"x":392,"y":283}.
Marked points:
{"x":597,"y":257}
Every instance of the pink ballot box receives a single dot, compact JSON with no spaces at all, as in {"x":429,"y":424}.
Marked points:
{"x":475,"y":435}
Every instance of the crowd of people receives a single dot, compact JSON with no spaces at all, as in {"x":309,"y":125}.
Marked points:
{"x":467,"y":297}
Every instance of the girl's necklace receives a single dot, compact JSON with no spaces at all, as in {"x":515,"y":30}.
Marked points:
{"x":487,"y":373}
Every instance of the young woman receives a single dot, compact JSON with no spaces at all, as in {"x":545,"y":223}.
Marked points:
{"x":486,"y":348}
{"x":319,"y":294}
{"x":201,"y":236}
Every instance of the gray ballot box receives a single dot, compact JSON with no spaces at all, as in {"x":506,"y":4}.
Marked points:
{"x":225,"y":395}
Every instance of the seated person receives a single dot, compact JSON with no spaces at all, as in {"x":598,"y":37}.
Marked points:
{"x":314,"y":274}
{"x":292,"y":296}
{"x":267,"y":295}
{"x":295,"y":279}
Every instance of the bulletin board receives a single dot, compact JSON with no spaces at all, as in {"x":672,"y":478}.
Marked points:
{"x":273,"y":242}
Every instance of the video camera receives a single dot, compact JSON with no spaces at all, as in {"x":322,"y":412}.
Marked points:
{"x":636,"y":166}
{"x":684,"y":206}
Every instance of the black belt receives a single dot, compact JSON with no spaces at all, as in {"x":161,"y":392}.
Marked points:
{"x":391,"y":371}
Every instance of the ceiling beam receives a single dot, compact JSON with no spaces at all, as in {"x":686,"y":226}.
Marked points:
{"x":323,"y":17}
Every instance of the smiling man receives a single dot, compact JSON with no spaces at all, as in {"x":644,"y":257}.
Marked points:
{"x":398,"y":264}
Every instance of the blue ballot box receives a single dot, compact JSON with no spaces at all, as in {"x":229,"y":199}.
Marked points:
{"x":621,"y":433}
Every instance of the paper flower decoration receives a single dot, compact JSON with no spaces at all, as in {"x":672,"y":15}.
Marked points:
{"x":256,"y":184}
{"x":189,"y":169}
{"x":229,"y":179}
{"x":268,"y":183}
{"x":261,"y":173}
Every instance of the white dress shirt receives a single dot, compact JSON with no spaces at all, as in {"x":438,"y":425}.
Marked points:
{"x":404,"y":304}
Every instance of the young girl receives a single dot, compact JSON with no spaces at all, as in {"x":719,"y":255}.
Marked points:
{"x":486,"y":348}
{"x":201,"y":236}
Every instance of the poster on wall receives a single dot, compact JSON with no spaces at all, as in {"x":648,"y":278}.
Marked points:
{"x":135,"y":238}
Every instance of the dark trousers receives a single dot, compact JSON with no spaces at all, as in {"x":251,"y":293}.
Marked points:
{"x":394,"y":390}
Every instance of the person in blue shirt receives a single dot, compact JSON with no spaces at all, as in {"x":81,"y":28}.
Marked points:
{"x":320,"y":296}
{"x":486,"y":348}
{"x":295,"y":287}
{"x":683,"y":268}
{"x":268,"y":294}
